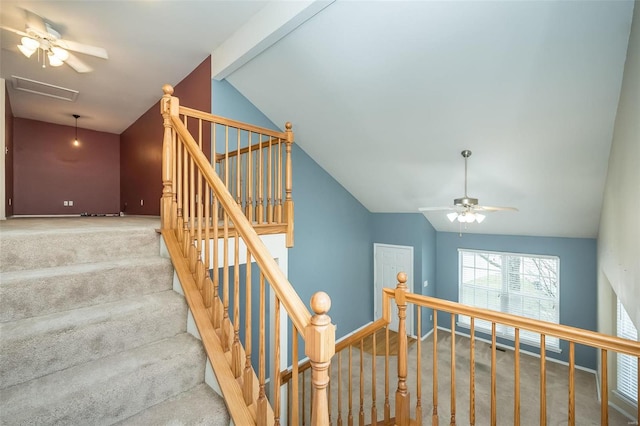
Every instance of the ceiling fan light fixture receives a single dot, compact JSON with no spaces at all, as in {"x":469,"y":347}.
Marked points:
{"x":54,"y":61}
{"x":480,"y":217}
{"x":452,"y":216}
{"x":26,"y":51}
{"x":60,"y":53}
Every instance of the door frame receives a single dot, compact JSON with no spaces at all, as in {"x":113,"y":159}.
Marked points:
{"x":377,"y":292}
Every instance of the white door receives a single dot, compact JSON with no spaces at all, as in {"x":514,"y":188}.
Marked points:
{"x":388,"y":261}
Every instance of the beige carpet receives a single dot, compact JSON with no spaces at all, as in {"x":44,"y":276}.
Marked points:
{"x":587,"y":405}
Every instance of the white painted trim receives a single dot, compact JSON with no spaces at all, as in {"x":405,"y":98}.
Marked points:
{"x":263,"y":30}
{"x":3,"y":156}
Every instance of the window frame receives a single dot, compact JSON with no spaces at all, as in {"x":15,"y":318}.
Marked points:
{"x":506,"y":295}
{"x":622,"y":360}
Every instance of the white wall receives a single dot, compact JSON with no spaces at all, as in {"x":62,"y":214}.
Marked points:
{"x":619,"y":234}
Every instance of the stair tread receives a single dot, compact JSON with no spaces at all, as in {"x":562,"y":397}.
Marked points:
{"x":108,"y":389}
{"x":91,"y":314}
{"x":54,"y":271}
{"x":198,"y":406}
{"x":37,"y":346}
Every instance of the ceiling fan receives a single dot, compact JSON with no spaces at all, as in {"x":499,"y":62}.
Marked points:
{"x":466,"y":209}
{"x":39,"y":36}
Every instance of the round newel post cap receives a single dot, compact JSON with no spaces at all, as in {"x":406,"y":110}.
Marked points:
{"x":288,"y":126}
{"x":320,"y":303}
{"x":167,"y":89}
{"x":402,"y":277}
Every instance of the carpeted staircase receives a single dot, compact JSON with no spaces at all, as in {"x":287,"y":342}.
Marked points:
{"x":91,"y":332}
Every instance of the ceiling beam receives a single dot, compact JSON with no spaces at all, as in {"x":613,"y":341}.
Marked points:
{"x":264,"y":29}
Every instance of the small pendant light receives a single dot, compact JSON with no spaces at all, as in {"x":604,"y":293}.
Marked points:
{"x":76,"y":142}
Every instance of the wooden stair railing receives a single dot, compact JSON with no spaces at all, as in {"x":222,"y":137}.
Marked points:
{"x":221,"y":262}
{"x":399,"y":408}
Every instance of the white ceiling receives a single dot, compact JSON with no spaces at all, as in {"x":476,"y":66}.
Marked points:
{"x":384,"y":95}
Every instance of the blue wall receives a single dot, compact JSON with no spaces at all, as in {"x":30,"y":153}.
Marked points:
{"x":578,"y":285}
{"x":332,"y":250}
{"x":411,"y":229}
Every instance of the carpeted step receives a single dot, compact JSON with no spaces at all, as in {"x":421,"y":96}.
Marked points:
{"x":29,"y":293}
{"x":37,"y":346}
{"x":198,"y":406}
{"x":45,"y":249}
{"x":107,"y":390}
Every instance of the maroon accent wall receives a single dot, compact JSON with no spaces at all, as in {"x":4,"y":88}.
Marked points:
{"x":141,"y":145}
{"x":8,"y":159}
{"x":48,"y":169}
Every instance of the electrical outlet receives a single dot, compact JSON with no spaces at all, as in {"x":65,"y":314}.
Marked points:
{"x":142,"y":202}
{"x":70,"y":203}
{"x":65,"y":203}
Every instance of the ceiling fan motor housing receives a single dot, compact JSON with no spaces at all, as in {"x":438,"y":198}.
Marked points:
{"x":465,"y":202}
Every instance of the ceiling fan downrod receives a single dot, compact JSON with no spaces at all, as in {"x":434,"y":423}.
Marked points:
{"x":466,"y":201}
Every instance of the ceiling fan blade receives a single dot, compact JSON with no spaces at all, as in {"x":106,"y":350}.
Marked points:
{"x":77,"y":64}
{"x":13,"y":30}
{"x":83,"y":48}
{"x":35,"y":21}
{"x":494,"y":209}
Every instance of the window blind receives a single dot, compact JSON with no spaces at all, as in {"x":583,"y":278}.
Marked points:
{"x":627,"y":368}
{"x":525,"y":285}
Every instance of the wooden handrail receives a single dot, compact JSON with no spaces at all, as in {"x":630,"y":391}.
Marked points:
{"x":294,"y":306}
{"x":241,"y":151}
{"x":564,"y":332}
{"x":189,"y":112}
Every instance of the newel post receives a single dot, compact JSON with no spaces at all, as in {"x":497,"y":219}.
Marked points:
{"x":288,"y":201}
{"x":402,"y":394}
{"x":168,"y":107}
{"x":320,"y":345}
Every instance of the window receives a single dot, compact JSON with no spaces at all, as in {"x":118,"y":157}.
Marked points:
{"x":525,"y":285}
{"x":627,"y":368}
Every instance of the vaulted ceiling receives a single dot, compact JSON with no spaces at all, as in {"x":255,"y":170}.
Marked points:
{"x":384,"y":95}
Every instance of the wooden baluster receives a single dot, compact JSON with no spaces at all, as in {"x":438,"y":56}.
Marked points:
{"x":238,"y":174}
{"x":339,"y":388}
{"x":208,"y":284}
{"x":167,"y":108}
{"x":419,"y":369}
{"x":249,"y":208}
{"x":193,"y":261}
{"x":361,"y":412}
{"x":174,"y":179}
{"x":216,"y":311}
{"x":269,"y":182}
{"x":186,"y":213}
{"x":543,"y":382}
{"x":200,"y":272}
{"x":572,"y":382}
{"x":226,"y":322}
{"x":434,"y":415}
{"x":247,"y":379}
{"x":304,"y":421}
{"x":288,"y":202}
{"x":452,"y":422}
{"x":493,"y":374}
{"x":374,"y":410}
{"x":276,"y":364}
{"x":261,"y":405}
{"x":329,"y":394}
{"x":402,"y":394}
{"x":604,"y":388}
{"x":179,"y":188}
{"x":516,"y":375}
{"x":320,"y":344}
{"x":236,"y":362}
{"x":350,"y":413}
{"x":472,"y":373}
{"x":638,"y":391}
{"x":279,"y":184}
{"x":260,"y":173}
{"x":295,"y":417}
{"x":387,"y":406}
